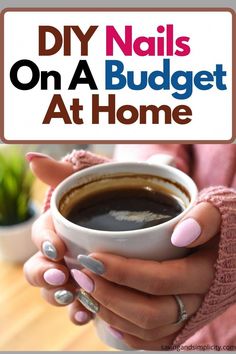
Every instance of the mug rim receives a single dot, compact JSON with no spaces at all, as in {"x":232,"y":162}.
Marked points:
{"x":70,"y":225}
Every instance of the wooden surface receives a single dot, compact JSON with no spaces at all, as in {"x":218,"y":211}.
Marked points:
{"x":27,"y":322}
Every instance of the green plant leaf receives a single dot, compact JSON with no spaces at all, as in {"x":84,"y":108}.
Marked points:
{"x":16,"y":182}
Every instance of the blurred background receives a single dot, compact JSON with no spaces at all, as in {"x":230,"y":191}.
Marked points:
{"x":27,"y":322}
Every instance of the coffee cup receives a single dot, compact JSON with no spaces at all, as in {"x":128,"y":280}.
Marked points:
{"x":135,"y":239}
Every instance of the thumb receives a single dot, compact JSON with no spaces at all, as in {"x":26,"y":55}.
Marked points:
{"x":200,"y":225}
{"x":48,"y":170}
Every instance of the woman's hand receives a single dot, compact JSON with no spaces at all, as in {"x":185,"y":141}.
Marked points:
{"x":46,"y":269}
{"x":136,"y":296}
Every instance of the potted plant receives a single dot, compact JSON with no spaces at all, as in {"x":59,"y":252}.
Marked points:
{"x":17,"y":212}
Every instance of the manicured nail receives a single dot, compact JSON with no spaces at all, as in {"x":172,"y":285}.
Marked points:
{"x":83,"y":280}
{"x":115,"y":333}
{"x":63,"y":297}
{"x":88,"y":302}
{"x":81,"y":316}
{"x":186,"y":232}
{"x":49,"y":250}
{"x":54,"y":277}
{"x":32,"y":155}
{"x":92,"y":264}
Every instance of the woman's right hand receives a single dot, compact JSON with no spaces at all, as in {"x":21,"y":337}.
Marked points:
{"x":46,"y":269}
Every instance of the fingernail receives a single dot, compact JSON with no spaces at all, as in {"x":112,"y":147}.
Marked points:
{"x":49,"y":250}
{"x":115,"y":333}
{"x":186,"y":232}
{"x":32,"y":155}
{"x":92,"y":264}
{"x":88,"y":302}
{"x":83,"y":280}
{"x":63,"y":297}
{"x":54,"y":277}
{"x":81,"y":316}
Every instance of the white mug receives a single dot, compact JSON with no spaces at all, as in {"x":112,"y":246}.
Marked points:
{"x":153,"y":243}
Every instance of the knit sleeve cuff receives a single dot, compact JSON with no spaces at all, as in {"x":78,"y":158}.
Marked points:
{"x":221,"y":294}
{"x":79,"y":159}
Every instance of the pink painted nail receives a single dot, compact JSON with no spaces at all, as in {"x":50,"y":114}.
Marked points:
{"x":81,"y":316}
{"x":32,"y":155}
{"x":54,"y":277}
{"x":83,"y":280}
{"x":115,"y":333}
{"x":186,"y":232}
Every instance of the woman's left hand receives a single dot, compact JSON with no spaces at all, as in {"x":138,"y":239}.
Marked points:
{"x":135,"y":297}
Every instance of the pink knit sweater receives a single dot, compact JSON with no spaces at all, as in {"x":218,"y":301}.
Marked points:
{"x":212,"y":166}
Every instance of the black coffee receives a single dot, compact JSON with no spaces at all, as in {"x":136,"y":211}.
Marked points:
{"x":124,"y":209}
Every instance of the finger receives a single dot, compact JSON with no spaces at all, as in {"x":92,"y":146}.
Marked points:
{"x":153,"y":311}
{"x":200,"y":225}
{"x":41,"y":272}
{"x":78,"y":314}
{"x":183,"y":276}
{"x":48,"y":170}
{"x":124,"y":326}
{"x":138,"y":344}
{"x":60,"y":296}
{"x":46,"y":239}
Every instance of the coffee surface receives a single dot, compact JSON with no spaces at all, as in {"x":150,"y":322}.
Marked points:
{"x":124,"y":209}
